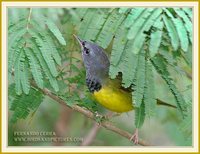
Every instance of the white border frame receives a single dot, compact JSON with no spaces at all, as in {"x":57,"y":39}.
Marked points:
{"x":6,"y":148}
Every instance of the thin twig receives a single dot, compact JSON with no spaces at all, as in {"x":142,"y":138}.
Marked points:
{"x":29,"y":18}
{"x":89,"y":138}
{"x":62,"y":124}
{"x":106,"y":124}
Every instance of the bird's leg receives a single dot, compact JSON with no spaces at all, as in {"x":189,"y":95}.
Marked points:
{"x":100,"y":118}
{"x":97,"y":114}
{"x":135,"y":137}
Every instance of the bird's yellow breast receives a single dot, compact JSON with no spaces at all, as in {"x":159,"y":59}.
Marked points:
{"x":114,"y":99}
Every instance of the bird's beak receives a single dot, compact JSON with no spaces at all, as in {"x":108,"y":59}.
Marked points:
{"x":79,"y":40}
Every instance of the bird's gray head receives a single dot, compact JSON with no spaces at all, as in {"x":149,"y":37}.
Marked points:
{"x":95,"y":60}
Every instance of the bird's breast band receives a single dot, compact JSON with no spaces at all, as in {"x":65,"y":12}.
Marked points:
{"x":93,"y":85}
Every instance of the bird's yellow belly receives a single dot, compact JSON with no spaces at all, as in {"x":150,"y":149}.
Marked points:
{"x":114,"y":99}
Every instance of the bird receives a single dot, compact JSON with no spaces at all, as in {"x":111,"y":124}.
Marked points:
{"x":106,"y":91}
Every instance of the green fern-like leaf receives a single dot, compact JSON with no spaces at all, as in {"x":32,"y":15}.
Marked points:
{"x":187,"y":22}
{"x":186,"y":124}
{"x":172,"y":32}
{"x":119,"y":44}
{"x":13,"y":43}
{"x":134,"y":14}
{"x":123,"y":10}
{"x":188,"y":11}
{"x":139,"y":115}
{"x":86,"y":20}
{"x":44,"y":65}
{"x":35,"y":67}
{"x":170,"y":60}
{"x":156,"y":37}
{"x":22,"y":105}
{"x":20,"y":35}
{"x":109,"y":28}
{"x":13,"y":27}
{"x":160,"y":66}
{"x":48,"y":51}
{"x":54,"y":51}
{"x":149,"y":91}
{"x":16,"y":14}
{"x":25,"y":77}
{"x":49,"y":42}
{"x":166,"y":54}
{"x":188,"y":56}
{"x":139,"y":80}
{"x":126,"y":65}
{"x":182,"y":34}
{"x":14,"y":37}
{"x":95,"y":26}
{"x":137,"y":26}
{"x":81,"y":12}
{"x":18,"y":65}
{"x":44,"y":47}
{"x":148,"y":23}
{"x":54,"y":29}
{"x":181,"y":31}
{"x":131,"y":65}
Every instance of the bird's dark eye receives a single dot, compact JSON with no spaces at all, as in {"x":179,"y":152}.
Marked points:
{"x":87,"y":51}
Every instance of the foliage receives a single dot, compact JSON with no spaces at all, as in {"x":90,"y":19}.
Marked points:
{"x":144,"y":43}
{"x":24,"y":104}
{"x":32,"y":46}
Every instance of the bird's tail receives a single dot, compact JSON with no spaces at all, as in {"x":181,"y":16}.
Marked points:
{"x":159,"y":102}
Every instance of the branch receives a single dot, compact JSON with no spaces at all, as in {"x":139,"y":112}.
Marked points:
{"x":89,"y":114}
{"x":88,"y":139}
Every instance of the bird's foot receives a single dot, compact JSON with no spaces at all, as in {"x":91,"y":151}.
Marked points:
{"x":135,"y":137}
{"x":97,"y":114}
{"x":98,"y":117}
